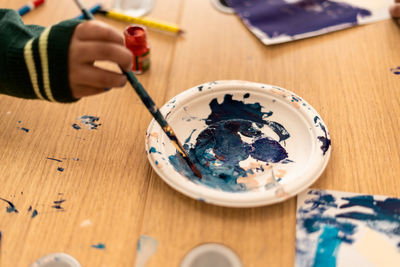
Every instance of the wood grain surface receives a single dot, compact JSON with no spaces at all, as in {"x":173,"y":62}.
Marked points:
{"x":344,"y":75}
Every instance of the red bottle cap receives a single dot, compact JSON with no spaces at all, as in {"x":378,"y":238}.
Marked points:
{"x":135,"y":39}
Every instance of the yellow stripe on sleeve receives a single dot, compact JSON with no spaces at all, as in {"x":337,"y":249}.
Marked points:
{"x":45,"y":63}
{"x":30,"y":64}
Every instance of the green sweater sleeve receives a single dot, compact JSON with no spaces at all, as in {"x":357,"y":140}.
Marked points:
{"x":34,"y":59}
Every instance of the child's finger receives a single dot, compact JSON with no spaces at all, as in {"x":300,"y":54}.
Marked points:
{"x":97,"y":31}
{"x":395,"y":11}
{"x":88,"y":52}
{"x":99,"y":78}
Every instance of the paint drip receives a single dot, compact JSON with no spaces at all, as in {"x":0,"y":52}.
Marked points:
{"x":224,"y":144}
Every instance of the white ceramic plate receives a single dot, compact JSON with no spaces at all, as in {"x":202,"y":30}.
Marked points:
{"x":255,"y":144}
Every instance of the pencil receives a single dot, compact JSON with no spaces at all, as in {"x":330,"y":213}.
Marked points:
{"x":151,"y":23}
{"x":28,"y":7}
{"x":92,"y":10}
{"x":151,"y":106}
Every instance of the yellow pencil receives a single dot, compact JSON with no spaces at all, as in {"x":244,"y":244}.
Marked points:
{"x":152,"y":23}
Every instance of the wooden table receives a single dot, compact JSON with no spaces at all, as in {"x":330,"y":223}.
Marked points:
{"x":344,"y":75}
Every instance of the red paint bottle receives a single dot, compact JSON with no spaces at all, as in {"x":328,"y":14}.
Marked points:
{"x":136,"y":41}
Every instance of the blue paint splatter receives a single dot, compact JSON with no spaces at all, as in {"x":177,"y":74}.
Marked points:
{"x":58,"y":160}
{"x":153,"y":150}
{"x":396,"y":70}
{"x":11,"y":206}
{"x":200,"y":88}
{"x":30,"y":208}
{"x":278,"y":17}
{"x":59,"y":201}
{"x":60,"y":169}
{"x":24,"y":129}
{"x":247,"y":95}
{"x":219,"y":148}
{"x":90,"y":121}
{"x":76,"y":126}
{"x":99,"y":246}
{"x":34,"y":213}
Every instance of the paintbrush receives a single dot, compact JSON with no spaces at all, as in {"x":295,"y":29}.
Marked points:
{"x":150,"y":105}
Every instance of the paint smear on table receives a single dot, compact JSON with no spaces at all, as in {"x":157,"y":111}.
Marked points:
{"x":23,"y":128}
{"x":146,"y":247}
{"x":99,"y":246}
{"x":57,"y":204}
{"x":11,"y":207}
{"x":86,"y":223}
{"x":396,"y":70}
{"x":347,"y":229}
{"x":232,"y":136}
{"x":58,"y":160}
{"x":278,"y":21}
{"x":91,"y":122}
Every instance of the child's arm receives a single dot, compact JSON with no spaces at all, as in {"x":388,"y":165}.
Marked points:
{"x":56,"y":63}
{"x":395,"y":10}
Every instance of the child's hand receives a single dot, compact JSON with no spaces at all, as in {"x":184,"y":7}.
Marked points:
{"x":395,"y":10}
{"x":93,"y":40}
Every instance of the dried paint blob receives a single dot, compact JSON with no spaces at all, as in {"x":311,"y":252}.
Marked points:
{"x":34,"y":213}
{"x":396,"y":70}
{"x":99,"y":246}
{"x":23,"y":128}
{"x":232,"y":136}
{"x":91,"y":122}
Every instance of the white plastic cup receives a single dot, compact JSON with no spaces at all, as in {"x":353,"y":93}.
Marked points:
{"x":135,"y":8}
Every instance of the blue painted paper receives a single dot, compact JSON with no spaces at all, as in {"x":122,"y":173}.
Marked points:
{"x":331,"y":221}
{"x":275,"y":21}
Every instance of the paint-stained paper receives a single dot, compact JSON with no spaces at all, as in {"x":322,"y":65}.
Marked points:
{"x":347,"y":229}
{"x":278,"y":21}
